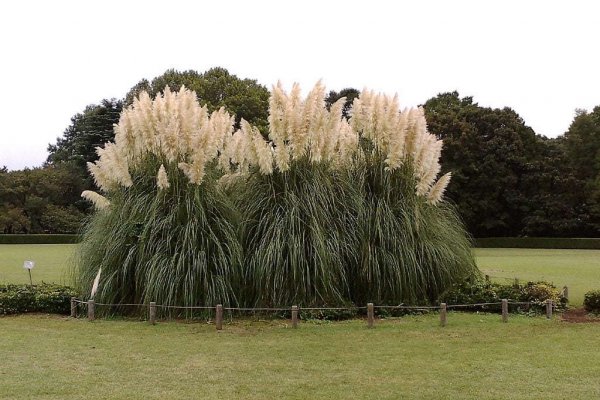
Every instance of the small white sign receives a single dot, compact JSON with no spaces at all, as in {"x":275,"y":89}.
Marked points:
{"x":28,"y":264}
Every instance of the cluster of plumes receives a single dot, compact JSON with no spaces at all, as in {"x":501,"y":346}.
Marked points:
{"x":244,"y":148}
{"x":305,"y":128}
{"x":402,"y":137}
{"x":175,"y":128}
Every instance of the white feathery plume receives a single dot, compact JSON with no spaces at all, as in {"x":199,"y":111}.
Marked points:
{"x":293,"y":114}
{"x":395,"y":153}
{"x":360,"y":113}
{"x":278,"y":126}
{"x":312,"y":109}
{"x":162,"y":180}
{"x":347,"y":146}
{"x":99,"y":201}
{"x":263,"y":152}
{"x":276,"y":114}
{"x":96,"y":283}
{"x":411,"y":133}
{"x":437,"y":191}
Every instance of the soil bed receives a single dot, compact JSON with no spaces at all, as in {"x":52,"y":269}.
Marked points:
{"x":579,"y":315}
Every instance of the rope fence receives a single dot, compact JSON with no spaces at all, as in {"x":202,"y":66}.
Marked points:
{"x":370,"y":307}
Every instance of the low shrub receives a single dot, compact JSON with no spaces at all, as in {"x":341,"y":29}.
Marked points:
{"x":591,"y":301}
{"x":479,"y":291}
{"x":46,"y":298}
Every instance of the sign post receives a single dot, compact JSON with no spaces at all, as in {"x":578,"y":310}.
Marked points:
{"x":28,"y":265}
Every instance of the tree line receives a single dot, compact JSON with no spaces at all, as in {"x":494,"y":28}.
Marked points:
{"x":507,"y":180}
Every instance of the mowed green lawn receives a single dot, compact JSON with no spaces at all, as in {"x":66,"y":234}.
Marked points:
{"x":474,"y":357}
{"x":50,"y":262}
{"x":577,"y":269}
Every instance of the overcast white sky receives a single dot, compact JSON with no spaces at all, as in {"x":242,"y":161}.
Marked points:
{"x":539,"y":57}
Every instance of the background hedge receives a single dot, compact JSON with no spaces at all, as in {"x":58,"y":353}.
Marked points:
{"x":539,"y":243}
{"x":39,"y":239}
{"x":497,"y":242}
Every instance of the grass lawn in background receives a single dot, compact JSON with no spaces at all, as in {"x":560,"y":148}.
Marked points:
{"x":577,"y":269}
{"x":50,"y":262}
{"x":474,"y":357}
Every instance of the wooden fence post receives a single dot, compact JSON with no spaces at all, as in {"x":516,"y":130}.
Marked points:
{"x":370,"y":315}
{"x":443,"y":314}
{"x":504,"y":310}
{"x":219,"y":317}
{"x":152,"y":313}
{"x":294,"y":317}
{"x":549,"y":309}
{"x":73,"y":308}
{"x":91,"y":315}
{"x":566,"y":293}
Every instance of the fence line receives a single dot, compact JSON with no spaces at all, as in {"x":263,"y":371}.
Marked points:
{"x":185,"y":307}
{"x":401,"y":307}
{"x":475,"y":305}
{"x":300,"y":308}
{"x":443,"y":307}
{"x":256,"y":309}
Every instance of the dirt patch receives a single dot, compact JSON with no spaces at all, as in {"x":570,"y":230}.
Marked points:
{"x":579,"y":315}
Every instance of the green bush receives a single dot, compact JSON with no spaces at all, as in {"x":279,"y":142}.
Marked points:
{"x":591,"y":301}
{"x":46,"y":298}
{"x":39,"y":239}
{"x":479,"y":291}
{"x":539,"y":243}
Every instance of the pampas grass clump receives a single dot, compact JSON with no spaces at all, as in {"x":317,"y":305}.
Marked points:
{"x":328,"y":211}
{"x":164,"y":231}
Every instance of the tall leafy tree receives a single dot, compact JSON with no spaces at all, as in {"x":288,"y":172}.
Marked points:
{"x":88,"y":130}
{"x":582,"y":144}
{"x":215,"y":88}
{"x":557,"y":197}
{"x":489,"y":152}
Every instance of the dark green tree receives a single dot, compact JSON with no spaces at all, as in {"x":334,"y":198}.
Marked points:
{"x":349,"y":93}
{"x":582,"y":144}
{"x":90,"y":129}
{"x":558,"y":206}
{"x":489,"y":152}
{"x":245,"y":98}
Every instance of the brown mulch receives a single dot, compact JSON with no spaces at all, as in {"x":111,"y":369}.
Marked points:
{"x":579,"y":315}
